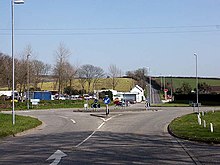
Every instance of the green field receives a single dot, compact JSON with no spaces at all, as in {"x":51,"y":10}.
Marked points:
{"x":187,"y":127}
{"x":178,"y":81}
{"x":124,"y":85}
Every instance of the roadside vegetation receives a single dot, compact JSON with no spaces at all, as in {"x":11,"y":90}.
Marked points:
{"x":51,"y":104}
{"x":22,"y":123}
{"x":187,"y":127}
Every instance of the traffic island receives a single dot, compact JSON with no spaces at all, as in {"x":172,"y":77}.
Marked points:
{"x":200,"y":127}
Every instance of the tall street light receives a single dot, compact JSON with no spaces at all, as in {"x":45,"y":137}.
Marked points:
{"x":13,"y":2}
{"x":28,"y":82}
{"x":197,"y":86}
{"x":150,"y":85}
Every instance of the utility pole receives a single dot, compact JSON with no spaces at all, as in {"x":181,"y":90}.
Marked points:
{"x":197,"y":82}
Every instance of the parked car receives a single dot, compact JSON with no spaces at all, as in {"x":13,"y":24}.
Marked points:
{"x":60,"y":97}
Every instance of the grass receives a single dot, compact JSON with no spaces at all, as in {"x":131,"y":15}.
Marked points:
{"x":177,"y":81}
{"x":22,"y":123}
{"x":187,"y":127}
{"x":171,"y":105}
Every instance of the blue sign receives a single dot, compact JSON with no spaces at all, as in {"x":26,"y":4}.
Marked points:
{"x":106,"y":100}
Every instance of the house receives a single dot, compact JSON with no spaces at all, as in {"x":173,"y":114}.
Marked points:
{"x":139,"y":93}
{"x":136,"y":94}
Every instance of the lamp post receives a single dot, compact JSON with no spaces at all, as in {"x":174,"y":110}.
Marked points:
{"x":150,"y":97}
{"x":13,"y":2}
{"x":197,"y":88}
{"x":28,"y":82}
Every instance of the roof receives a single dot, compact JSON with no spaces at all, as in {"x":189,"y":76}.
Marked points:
{"x":137,"y":87}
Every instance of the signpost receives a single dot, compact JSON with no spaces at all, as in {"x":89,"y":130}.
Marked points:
{"x":165,"y":94}
{"x":106,"y":102}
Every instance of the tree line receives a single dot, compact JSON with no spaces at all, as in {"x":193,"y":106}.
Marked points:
{"x":35,"y":72}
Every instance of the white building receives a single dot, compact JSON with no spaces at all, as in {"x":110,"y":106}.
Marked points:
{"x":136,"y":94}
{"x":139,"y":93}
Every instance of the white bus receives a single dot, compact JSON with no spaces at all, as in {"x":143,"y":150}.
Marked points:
{"x":8,"y":94}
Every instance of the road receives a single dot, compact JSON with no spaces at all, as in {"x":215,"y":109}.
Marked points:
{"x":155,"y":96}
{"x":126,"y":136}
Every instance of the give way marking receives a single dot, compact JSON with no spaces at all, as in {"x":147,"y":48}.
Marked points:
{"x":57,"y":156}
{"x":100,"y":126}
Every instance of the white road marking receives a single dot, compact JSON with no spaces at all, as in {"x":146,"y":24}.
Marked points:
{"x":104,"y":121}
{"x":101,"y":125}
{"x":64,"y":117}
{"x":57,"y":156}
{"x":74,"y":122}
{"x":85,"y":139}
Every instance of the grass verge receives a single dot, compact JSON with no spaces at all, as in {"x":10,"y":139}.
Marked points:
{"x":171,"y":105}
{"x":187,"y":127}
{"x":22,"y":123}
{"x":51,"y":104}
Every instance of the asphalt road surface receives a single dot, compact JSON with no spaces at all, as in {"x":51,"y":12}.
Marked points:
{"x":126,"y":136}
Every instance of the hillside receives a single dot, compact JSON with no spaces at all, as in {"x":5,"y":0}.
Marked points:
{"x":178,"y":81}
{"x":124,"y":85}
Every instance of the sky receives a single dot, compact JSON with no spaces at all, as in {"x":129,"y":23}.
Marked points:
{"x":131,"y":34}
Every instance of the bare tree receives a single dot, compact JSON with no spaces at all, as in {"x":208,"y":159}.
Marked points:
{"x":21,"y":74}
{"x":140,"y":75}
{"x":5,"y":70}
{"x":22,"y":68}
{"x":98,"y":73}
{"x":114,"y":73}
{"x":91,"y":74}
{"x":62,"y":53}
{"x":70,"y":73}
{"x":38,"y":70}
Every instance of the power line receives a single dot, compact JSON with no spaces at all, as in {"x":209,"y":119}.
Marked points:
{"x":115,"y":28}
{"x":113,"y":33}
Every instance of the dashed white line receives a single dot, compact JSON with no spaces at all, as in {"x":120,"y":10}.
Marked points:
{"x":74,"y":122}
{"x":101,"y":125}
{"x":64,"y":117}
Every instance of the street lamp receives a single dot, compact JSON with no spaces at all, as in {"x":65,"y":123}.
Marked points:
{"x":150,"y":85}
{"x":197,"y":90}
{"x":28,"y":82}
{"x":13,"y":2}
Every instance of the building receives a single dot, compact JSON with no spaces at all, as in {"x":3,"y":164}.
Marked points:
{"x":136,"y":94}
{"x":139,"y":93}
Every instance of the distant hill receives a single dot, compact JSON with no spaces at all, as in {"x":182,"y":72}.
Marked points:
{"x":124,"y":85}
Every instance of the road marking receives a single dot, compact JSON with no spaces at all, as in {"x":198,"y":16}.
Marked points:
{"x":74,"y":122}
{"x":104,"y":121}
{"x":64,"y":117}
{"x":101,"y":125}
{"x":86,"y":139}
{"x":57,"y":156}
{"x":110,"y":117}
{"x":165,"y":128}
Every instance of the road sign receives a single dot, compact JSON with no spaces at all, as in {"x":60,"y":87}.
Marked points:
{"x":106,"y":100}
